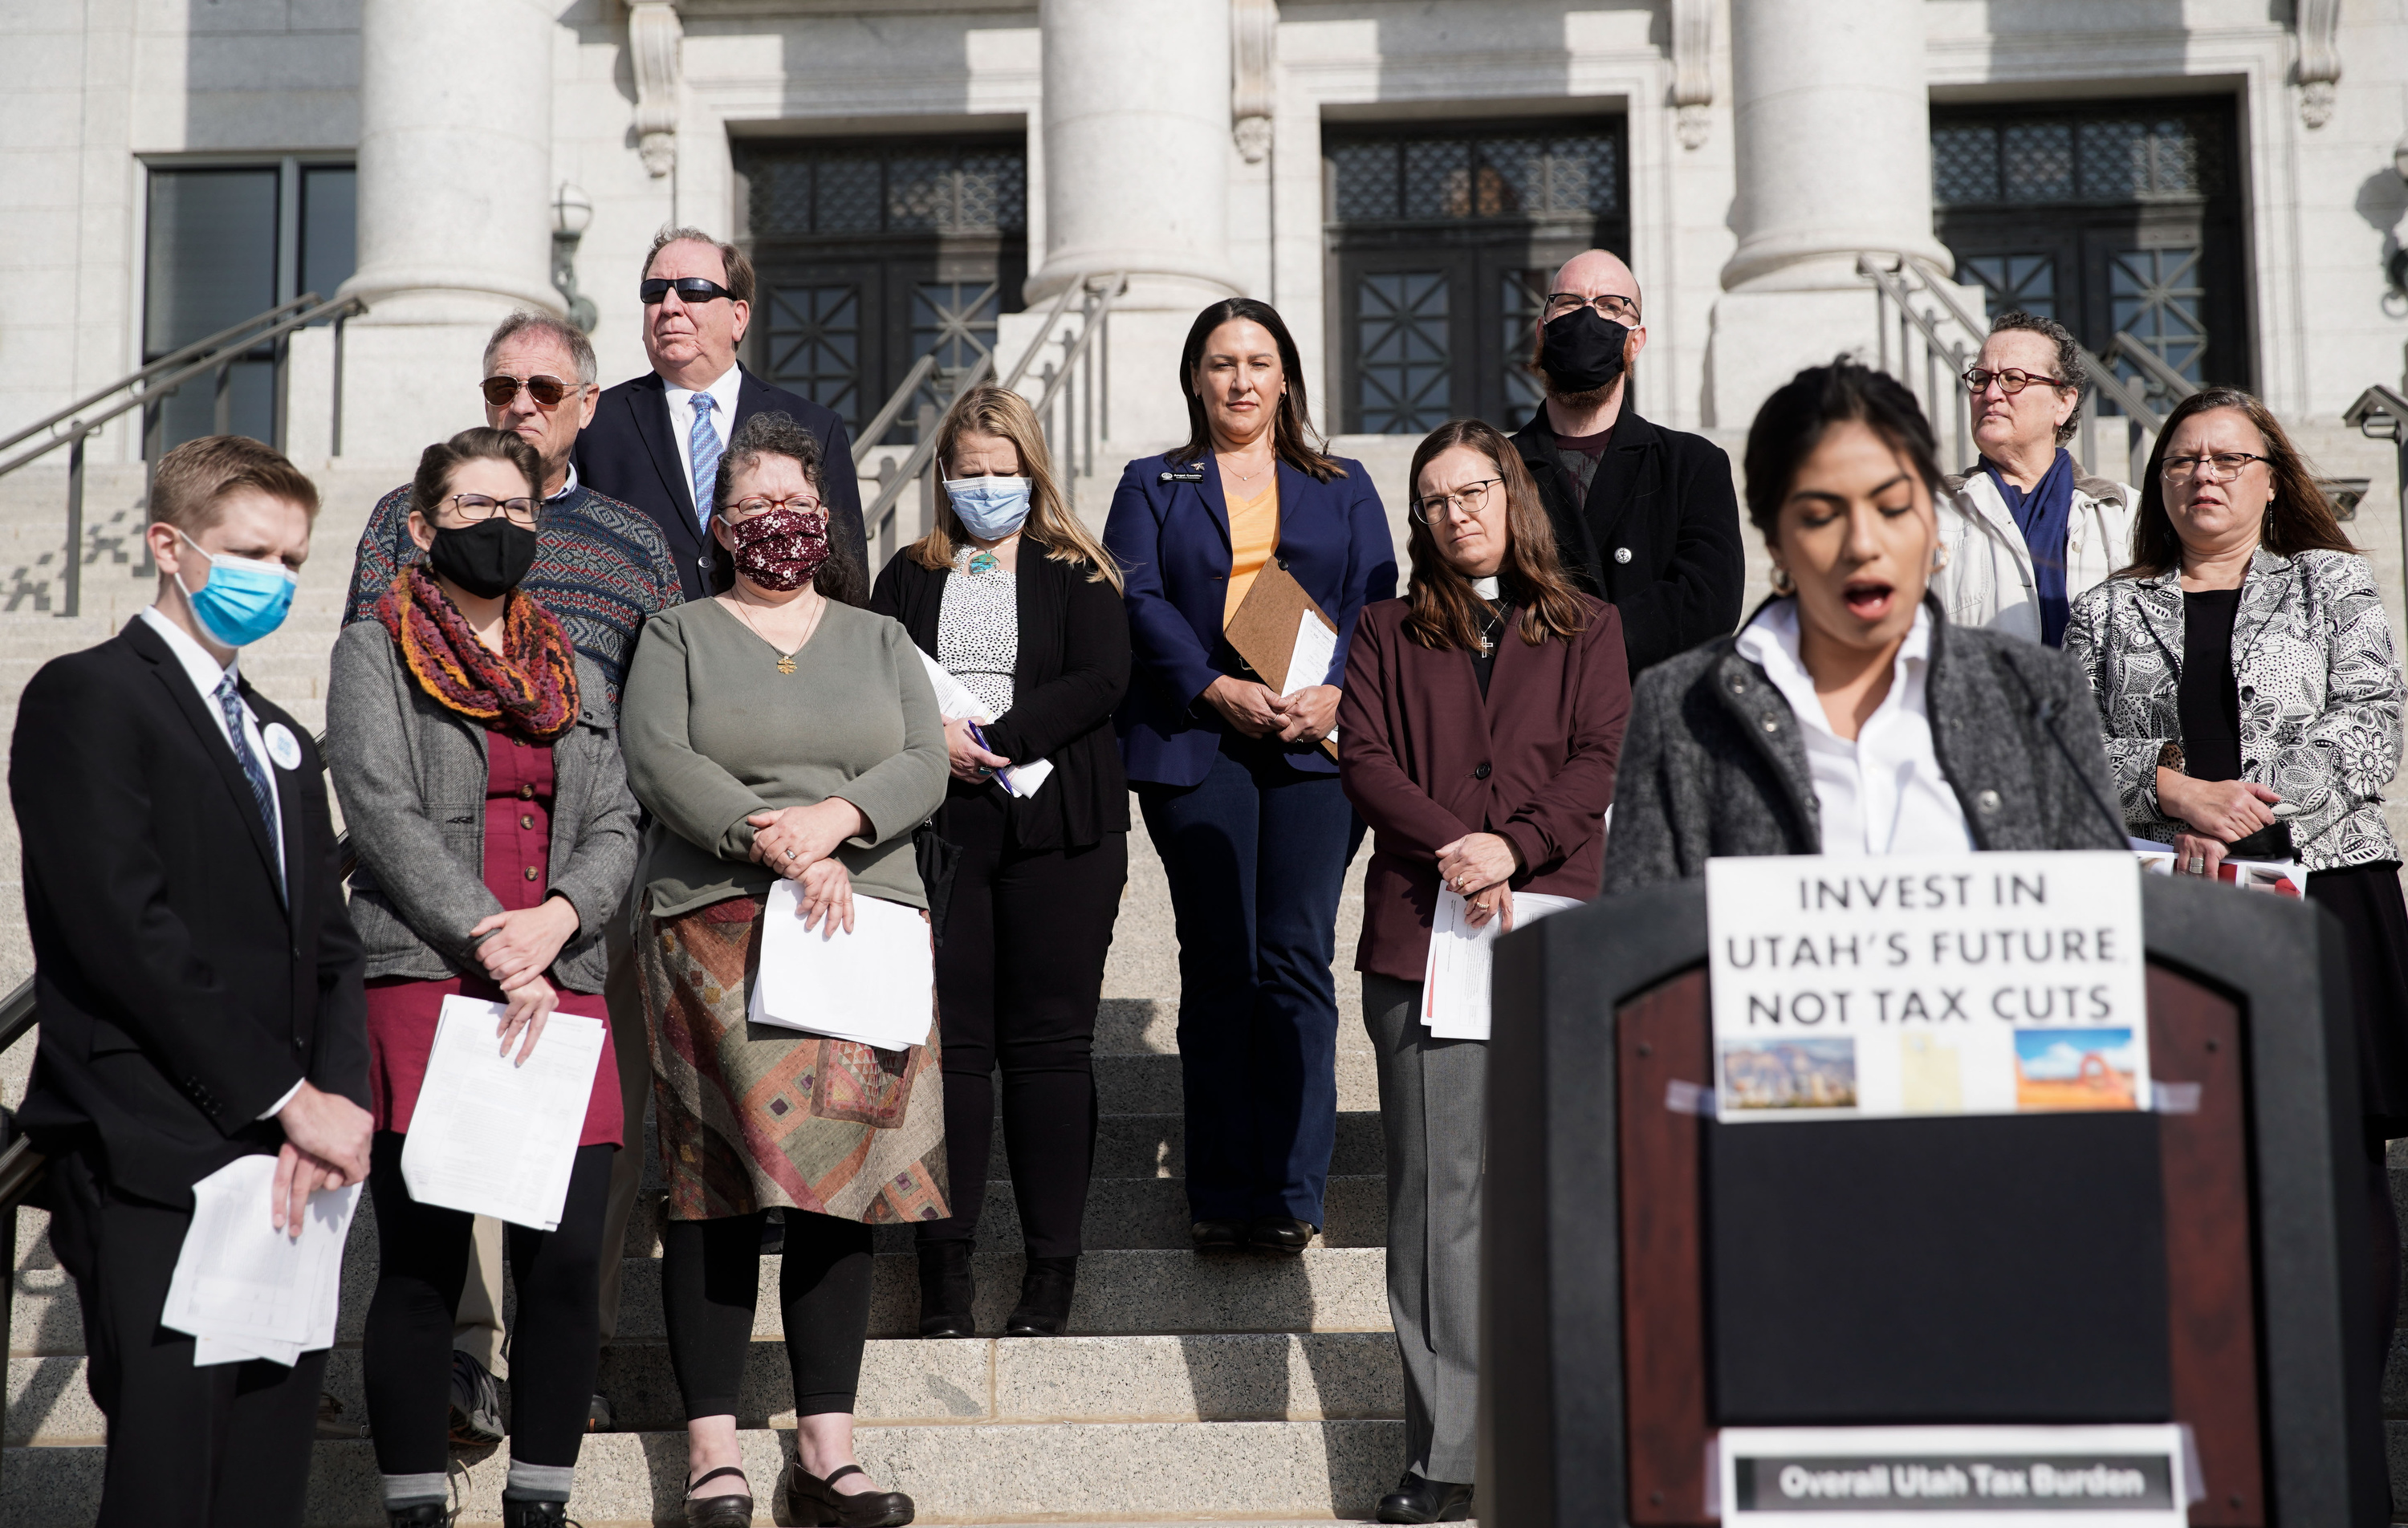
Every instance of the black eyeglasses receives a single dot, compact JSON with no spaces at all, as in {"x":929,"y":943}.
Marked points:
{"x":1609,"y":304}
{"x":546,"y":392}
{"x":689,"y":289}
{"x":2011,"y":381}
{"x":479,"y":507}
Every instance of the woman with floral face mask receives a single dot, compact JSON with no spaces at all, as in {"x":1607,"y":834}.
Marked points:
{"x":777,"y":731}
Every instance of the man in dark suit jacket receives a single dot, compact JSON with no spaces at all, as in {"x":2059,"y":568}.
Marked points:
{"x":1645,"y":517}
{"x":196,"y":981}
{"x":641,"y":447}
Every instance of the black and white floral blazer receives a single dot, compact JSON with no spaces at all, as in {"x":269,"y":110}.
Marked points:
{"x":2320,"y":695}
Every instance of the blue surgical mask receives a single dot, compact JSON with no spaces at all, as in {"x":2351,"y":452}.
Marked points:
{"x":244,"y":600}
{"x":991,"y":507}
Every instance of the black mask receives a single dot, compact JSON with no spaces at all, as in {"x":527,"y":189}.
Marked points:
{"x":1582,"y":351}
{"x":487,"y":559}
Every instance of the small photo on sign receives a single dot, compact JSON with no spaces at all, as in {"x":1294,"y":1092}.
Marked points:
{"x":2076,"y":1069}
{"x":1816,"y":1074}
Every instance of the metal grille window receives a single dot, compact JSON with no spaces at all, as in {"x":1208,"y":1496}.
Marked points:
{"x":859,"y":191}
{"x":1441,"y":243}
{"x":2119,"y":157}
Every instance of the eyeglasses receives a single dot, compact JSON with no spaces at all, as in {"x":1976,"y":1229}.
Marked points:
{"x":1609,"y":305}
{"x":546,"y":392}
{"x":1977,"y":381}
{"x":747,"y":509}
{"x":2226,"y":466}
{"x":689,"y":289}
{"x":477,"y":507}
{"x":1472,"y":497}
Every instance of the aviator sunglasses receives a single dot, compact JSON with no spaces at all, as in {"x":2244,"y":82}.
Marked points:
{"x":546,"y":392}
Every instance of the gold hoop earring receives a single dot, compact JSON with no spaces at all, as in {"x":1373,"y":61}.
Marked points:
{"x":1782,"y":583}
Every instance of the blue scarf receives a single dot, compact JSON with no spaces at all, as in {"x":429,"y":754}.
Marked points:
{"x":2043,"y":515}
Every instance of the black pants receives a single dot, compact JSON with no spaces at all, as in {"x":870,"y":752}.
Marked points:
{"x":710,"y":1275}
{"x":223,"y":1447}
{"x":555,"y":1337}
{"x":1018,"y":979}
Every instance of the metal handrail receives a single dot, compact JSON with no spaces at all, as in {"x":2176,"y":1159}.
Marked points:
{"x":1094,"y":317}
{"x":1889,"y":283}
{"x":922,"y":453}
{"x":1061,"y":306}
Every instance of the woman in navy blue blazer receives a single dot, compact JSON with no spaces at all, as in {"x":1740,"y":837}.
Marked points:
{"x":1240,"y":798}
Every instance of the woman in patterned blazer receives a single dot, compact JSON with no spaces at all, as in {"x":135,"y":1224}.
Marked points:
{"x":2250,"y":695}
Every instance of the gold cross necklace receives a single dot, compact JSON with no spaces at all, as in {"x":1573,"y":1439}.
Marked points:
{"x":786,"y":658}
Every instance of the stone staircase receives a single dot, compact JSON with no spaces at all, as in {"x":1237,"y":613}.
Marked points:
{"x":1239,"y":1387}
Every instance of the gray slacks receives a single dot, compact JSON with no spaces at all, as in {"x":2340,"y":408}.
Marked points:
{"x":1432,"y":1095}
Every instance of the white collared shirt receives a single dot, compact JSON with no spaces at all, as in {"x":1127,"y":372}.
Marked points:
{"x":722,"y":418}
{"x":1883,"y":794}
{"x":568,"y":484}
{"x":207,"y":675}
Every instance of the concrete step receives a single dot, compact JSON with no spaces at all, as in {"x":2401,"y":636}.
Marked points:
{"x":979,"y":1473}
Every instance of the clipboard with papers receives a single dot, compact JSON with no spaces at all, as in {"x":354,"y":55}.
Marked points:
{"x":1286,"y":638}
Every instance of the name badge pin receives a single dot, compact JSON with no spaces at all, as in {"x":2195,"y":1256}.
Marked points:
{"x":282,"y":745}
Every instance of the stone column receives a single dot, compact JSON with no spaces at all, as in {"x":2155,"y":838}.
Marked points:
{"x":1833,"y":140}
{"x":1135,"y":163}
{"x":454,"y":209}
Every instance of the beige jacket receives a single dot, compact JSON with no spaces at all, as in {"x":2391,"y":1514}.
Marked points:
{"x":1988,"y":581}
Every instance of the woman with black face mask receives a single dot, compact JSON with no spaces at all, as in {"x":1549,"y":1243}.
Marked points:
{"x":496,"y":835}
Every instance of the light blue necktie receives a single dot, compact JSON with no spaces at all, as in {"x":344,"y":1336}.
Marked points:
{"x":705,"y":441}
{"x":230,"y":702}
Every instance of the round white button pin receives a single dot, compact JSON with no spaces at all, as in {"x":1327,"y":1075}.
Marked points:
{"x":282,"y":745}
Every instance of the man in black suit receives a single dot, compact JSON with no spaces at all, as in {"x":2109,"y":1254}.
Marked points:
{"x":1645,"y":517}
{"x":655,"y":441}
{"x":196,"y":979}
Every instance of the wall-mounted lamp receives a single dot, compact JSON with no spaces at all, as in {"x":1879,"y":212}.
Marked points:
{"x":2396,"y":265}
{"x":572,"y":213}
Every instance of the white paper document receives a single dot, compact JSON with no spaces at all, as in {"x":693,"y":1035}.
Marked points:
{"x":956,"y":703}
{"x":1455,"y":978}
{"x":491,"y":1136}
{"x":876,"y":985}
{"x":244,"y":1289}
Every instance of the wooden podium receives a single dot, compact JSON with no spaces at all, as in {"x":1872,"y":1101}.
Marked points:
{"x":1649,"y":1276}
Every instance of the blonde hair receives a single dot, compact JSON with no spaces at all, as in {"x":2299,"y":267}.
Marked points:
{"x":1006,"y":415}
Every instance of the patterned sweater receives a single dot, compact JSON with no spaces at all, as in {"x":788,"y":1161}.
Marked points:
{"x":600,"y":566}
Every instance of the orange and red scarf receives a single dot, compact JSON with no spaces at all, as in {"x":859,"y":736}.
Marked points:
{"x":529,"y":688}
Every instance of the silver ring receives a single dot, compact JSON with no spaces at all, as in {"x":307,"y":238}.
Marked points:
{"x":2198,"y":865}
{"x":790,"y":854}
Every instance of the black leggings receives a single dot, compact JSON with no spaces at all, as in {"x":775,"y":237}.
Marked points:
{"x":1018,"y":979}
{"x":555,"y":1338}
{"x":710,"y":1275}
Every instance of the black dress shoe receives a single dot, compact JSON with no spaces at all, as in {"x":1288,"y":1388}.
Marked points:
{"x":1045,"y":1290}
{"x":424,"y":1515}
{"x":536,"y":1514}
{"x":816,"y":1503}
{"x":1218,"y":1235}
{"x":734,"y":1510}
{"x":1281,"y":1234}
{"x":947,"y":1290}
{"x":1416,"y":1500}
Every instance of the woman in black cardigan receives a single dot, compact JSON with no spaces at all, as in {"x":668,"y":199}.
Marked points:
{"x":1017,"y":601}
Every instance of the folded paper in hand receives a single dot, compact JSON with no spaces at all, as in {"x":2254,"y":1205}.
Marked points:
{"x":1455,"y":978}
{"x":876,"y":985}
{"x":491,"y":1137}
{"x":244,"y":1289}
{"x":955,"y":703}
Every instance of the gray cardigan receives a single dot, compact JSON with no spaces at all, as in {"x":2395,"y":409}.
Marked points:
{"x":411,"y":774}
{"x":1712,"y":763}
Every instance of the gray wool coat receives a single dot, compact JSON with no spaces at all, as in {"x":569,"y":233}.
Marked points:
{"x":1713,"y":764}
{"x":411,"y":774}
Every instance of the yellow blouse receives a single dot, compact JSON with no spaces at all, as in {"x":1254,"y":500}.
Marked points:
{"x":1253,"y":536}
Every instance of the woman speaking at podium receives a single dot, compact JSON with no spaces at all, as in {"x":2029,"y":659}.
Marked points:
{"x":1848,"y":717}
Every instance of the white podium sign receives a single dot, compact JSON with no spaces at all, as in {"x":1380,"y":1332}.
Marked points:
{"x":2108,"y":1477}
{"x":1863,"y":987}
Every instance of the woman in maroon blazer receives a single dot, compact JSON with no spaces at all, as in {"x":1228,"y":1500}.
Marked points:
{"x":1477,"y":735}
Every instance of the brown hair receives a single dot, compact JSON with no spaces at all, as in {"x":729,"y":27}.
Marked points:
{"x":998,"y":411}
{"x":1293,"y":437}
{"x":433,"y":484}
{"x":194,"y":480}
{"x":739,"y":269}
{"x":1444,"y":605}
{"x":775,"y":434}
{"x":2298,"y":518}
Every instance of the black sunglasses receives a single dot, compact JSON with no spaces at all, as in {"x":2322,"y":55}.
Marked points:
{"x":689,"y":289}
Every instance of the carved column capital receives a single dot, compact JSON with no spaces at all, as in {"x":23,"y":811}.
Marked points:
{"x":653,"y":33}
{"x":2318,"y":23}
{"x":1253,"y":50}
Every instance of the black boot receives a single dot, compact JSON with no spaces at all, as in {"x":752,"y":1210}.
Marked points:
{"x":1045,"y":1292}
{"x":517,"y":1514}
{"x":947,"y":1288}
{"x":424,"y":1515}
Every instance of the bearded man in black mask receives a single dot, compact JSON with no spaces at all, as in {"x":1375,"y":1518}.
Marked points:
{"x":1645,"y":517}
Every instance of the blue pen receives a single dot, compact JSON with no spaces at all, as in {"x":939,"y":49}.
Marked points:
{"x":980,"y":739}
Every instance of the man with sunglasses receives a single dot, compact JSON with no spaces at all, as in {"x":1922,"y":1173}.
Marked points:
{"x":2025,"y":531}
{"x":1645,"y":517}
{"x":656,"y":440}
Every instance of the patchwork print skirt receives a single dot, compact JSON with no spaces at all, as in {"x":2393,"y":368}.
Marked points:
{"x":753,"y":1116}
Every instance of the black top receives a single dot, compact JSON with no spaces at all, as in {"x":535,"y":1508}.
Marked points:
{"x":1071,"y":671}
{"x":1498,"y":620}
{"x":2209,"y":701}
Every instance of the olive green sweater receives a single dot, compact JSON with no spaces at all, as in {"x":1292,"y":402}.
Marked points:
{"x":712,"y":733}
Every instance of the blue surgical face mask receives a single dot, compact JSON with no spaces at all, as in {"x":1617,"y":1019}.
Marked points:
{"x":991,"y":507}
{"x":244,"y":599}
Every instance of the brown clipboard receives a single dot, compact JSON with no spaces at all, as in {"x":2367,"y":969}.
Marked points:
{"x":1264,"y":630}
